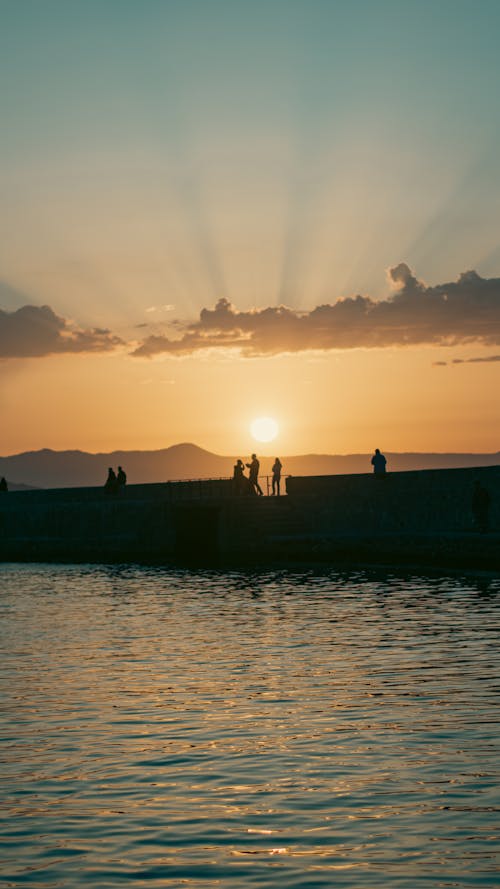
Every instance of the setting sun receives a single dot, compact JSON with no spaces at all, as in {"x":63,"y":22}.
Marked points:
{"x":264,"y":429}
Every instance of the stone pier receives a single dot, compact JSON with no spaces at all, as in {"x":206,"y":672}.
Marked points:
{"x":420,"y":517}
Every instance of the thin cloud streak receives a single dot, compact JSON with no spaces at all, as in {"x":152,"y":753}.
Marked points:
{"x":458,"y":312}
{"x":478,"y":360}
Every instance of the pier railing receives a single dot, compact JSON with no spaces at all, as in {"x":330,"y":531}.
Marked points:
{"x":208,"y":488}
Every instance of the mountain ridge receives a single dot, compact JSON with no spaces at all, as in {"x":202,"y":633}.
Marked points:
{"x":47,"y":468}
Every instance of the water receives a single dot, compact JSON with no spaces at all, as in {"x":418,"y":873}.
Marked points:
{"x":248,"y":730}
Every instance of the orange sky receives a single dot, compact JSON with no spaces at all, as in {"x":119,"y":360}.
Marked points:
{"x":173,"y":174}
{"x":350,"y":401}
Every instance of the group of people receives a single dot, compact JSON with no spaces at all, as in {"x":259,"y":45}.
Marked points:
{"x":115,"y":481}
{"x":243,"y":484}
{"x":250,"y":485}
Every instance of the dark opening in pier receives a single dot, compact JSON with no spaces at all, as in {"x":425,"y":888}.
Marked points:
{"x":196,"y":531}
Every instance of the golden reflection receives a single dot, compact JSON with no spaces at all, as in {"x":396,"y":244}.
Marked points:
{"x":278,"y":851}
{"x":147,"y":755}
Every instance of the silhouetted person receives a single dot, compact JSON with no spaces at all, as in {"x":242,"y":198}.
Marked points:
{"x":121,"y":478}
{"x":240,"y":481}
{"x":276,"y":470}
{"x":3,"y":486}
{"x":481,"y":507}
{"x":253,"y":475}
{"x":379,"y":463}
{"x":111,"y":482}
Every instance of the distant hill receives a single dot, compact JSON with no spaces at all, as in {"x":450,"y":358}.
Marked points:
{"x":53,"y":469}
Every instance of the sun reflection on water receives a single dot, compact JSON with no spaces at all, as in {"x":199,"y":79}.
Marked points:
{"x":247,"y":729}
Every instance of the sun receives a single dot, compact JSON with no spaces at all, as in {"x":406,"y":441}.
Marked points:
{"x":264,"y":429}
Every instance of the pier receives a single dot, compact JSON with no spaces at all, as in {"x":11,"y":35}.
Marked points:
{"x":419,"y":517}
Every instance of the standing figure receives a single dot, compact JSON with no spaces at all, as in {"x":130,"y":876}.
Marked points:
{"x":111,"y":482}
{"x":239,"y":478}
{"x":121,"y":478}
{"x":379,"y":463}
{"x":3,"y":485}
{"x":276,"y":476}
{"x":481,"y":508}
{"x":253,"y":475}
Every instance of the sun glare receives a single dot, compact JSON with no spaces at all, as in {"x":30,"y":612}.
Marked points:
{"x":264,"y":429}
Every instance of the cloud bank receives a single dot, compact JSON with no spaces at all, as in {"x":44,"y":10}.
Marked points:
{"x":462,"y":311}
{"x":36,"y":331}
{"x":455,"y":313}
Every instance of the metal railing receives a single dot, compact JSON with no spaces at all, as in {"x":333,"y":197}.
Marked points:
{"x":208,"y":488}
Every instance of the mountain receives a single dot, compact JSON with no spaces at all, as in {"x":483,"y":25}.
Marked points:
{"x":53,"y":469}
{"x":50,"y":469}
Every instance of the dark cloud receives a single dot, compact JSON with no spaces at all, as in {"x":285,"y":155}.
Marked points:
{"x":476,"y":360}
{"x":34,"y":331}
{"x":483,"y":360}
{"x":463,"y":311}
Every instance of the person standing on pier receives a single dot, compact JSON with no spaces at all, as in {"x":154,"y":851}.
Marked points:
{"x":276,"y":476}
{"x":379,"y":463}
{"x":239,"y":478}
{"x":253,"y":475}
{"x":111,"y":484}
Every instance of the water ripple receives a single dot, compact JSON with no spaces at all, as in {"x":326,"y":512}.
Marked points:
{"x":254,"y":729}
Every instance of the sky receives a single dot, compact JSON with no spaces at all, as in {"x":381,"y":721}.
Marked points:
{"x":217,"y":210}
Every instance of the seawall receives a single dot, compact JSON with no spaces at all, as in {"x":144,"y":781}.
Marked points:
{"x":419,"y":517}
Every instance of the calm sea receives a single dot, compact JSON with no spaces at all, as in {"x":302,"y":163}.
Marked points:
{"x":258,"y":729}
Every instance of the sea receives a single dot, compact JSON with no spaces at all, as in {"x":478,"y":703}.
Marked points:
{"x":264,"y":728}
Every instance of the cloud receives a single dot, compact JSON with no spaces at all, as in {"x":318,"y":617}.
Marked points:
{"x":476,"y":360}
{"x":462,"y":311}
{"x":165,"y":308}
{"x":482,"y":360}
{"x":35,"y":331}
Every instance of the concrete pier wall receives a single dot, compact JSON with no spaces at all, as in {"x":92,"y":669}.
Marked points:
{"x":423,"y":517}
{"x":432,"y":500}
